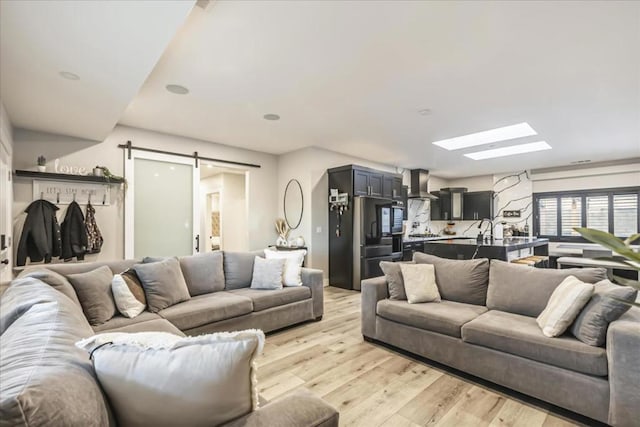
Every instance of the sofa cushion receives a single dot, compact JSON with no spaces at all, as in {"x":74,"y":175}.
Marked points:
{"x":163,"y":283}
{"x":420,"y":283}
{"x":521,"y":336}
{"x":459,"y":280}
{"x":126,"y":302}
{"x":564,"y":306}
{"x":205,"y":309}
{"x":606,"y":305}
{"x":135,"y":286}
{"x":55,"y":280}
{"x":154,"y":325}
{"x":445,"y":317}
{"x":94,"y":293}
{"x":119,"y":321}
{"x":238,"y":268}
{"x":44,"y":379}
{"x":203,"y":272}
{"x":395,"y":281}
{"x":263,"y":299}
{"x":267,"y":273}
{"x":524,"y":290}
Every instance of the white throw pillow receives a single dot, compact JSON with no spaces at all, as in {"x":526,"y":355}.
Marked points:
{"x":420,"y":283}
{"x":161,"y":379}
{"x":566,"y":302}
{"x":292,"y":266}
{"x":267,"y":273}
{"x":128,"y":305}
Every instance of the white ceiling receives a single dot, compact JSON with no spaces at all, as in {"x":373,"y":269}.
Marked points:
{"x":112,"y":46}
{"x":346,"y":76}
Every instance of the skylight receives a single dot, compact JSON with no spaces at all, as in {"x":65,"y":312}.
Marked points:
{"x":487,"y":137}
{"x":509,"y":151}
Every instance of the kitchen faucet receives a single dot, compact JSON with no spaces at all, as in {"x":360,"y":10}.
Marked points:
{"x":481,"y":234}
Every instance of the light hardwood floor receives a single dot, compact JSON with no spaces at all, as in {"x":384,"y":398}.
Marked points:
{"x":373,"y":386}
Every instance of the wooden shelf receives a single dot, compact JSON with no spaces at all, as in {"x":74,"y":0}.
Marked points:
{"x":67,"y":177}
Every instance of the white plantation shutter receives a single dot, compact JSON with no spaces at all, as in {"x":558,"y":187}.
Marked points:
{"x":625,"y":214}
{"x":548,"y":215}
{"x":571,"y":215}
{"x":598,"y":212}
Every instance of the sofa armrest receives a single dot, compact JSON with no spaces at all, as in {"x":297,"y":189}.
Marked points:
{"x":300,"y":409}
{"x":312,"y":279}
{"x":623,"y":348}
{"x":373,"y":290}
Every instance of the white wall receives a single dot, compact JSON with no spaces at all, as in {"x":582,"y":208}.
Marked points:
{"x":262,"y":182}
{"x":233,"y":213}
{"x":588,"y":178}
{"x":309,"y":166}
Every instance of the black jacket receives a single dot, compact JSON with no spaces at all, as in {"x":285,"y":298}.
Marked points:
{"x":40,"y":239}
{"x":74,"y":234}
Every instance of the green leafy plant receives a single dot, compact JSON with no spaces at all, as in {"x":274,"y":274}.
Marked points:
{"x":42,"y":161}
{"x":107,"y":174}
{"x":620,"y":247}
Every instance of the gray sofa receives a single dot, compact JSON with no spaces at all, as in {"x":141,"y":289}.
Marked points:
{"x":500,"y":341}
{"x":45,"y":380}
{"x":237,"y":307}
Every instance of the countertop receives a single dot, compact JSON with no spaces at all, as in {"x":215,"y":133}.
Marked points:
{"x":509,"y":243}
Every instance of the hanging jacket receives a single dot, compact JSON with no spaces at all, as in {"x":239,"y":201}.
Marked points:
{"x":40,"y":238}
{"x":95,"y":239}
{"x":74,"y":234}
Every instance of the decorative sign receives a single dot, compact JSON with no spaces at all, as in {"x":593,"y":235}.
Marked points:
{"x":511,"y":214}
{"x":63,"y":193}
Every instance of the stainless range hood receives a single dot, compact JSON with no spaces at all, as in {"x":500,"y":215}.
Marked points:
{"x":420,"y":185}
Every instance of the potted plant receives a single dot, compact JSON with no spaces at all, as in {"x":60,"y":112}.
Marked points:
{"x":42,"y":164}
{"x":620,"y":247}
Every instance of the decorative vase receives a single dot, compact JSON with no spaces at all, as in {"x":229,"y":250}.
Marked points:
{"x":98,"y":172}
{"x":42,"y":168}
{"x":282,"y":241}
{"x":298,"y":241}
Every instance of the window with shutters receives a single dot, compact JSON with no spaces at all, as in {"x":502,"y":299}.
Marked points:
{"x":612,"y":210}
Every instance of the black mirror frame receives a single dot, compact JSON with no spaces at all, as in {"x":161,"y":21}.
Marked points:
{"x":284,"y":204}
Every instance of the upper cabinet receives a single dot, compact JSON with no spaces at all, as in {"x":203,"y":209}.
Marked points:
{"x":451,"y":201}
{"x":372,"y":183}
{"x":478,"y":205}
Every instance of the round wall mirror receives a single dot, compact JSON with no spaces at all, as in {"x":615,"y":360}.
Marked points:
{"x":293,"y":204}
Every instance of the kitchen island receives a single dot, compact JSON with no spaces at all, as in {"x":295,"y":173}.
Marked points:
{"x":507,"y":249}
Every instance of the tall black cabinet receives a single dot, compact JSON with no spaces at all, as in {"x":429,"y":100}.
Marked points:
{"x":356,"y":181}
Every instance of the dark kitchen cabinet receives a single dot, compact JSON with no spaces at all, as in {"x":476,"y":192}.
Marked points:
{"x":478,"y":205}
{"x":387,"y":187}
{"x":452,"y":203}
{"x":436,"y":212}
{"x":405,"y":202}
{"x":410,"y":248}
{"x":366,"y":183}
{"x":396,"y":193}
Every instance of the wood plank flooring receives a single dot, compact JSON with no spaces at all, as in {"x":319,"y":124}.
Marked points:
{"x":374,"y":386}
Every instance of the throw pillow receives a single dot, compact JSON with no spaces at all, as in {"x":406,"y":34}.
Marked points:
{"x":292,"y":266}
{"x":126,"y":302}
{"x":459,"y":280}
{"x":55,"y":280}
{"x":564,"y":305}
{"x":395,"y":282}
{"x":238,"y":268}
{"x":420,"y":283}
{"x":267,"y":273}
{"x":203,"y":273}
{"x":94,"y":293}
{"x":160,"y":379}
{"x":163,"y":283}
{"x":133,"y":283}
{"x":593,"y":321}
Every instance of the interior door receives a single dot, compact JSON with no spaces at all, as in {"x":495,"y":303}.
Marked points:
{"x":5,"y":215}
{"x":161,"y":205}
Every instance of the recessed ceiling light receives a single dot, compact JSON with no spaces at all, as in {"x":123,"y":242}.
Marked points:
{"x":177,"y":89}
{"x":210,"y":166}
{"x":271,"y":117}
{"x":488,"y":136}
{"x":424,"y":112}
{"x":69,"y":75}
{"x":509,"y":151}
{"x":579,"y":162}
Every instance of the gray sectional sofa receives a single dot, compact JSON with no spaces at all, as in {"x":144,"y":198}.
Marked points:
{"x":495,"y":336}
{"x":46,"y":380}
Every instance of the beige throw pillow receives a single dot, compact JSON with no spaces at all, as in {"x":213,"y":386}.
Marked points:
{"x":292,"y":267}
{"x":161,"y":379}
{"x":267,"y":273}
{"x":564,"y":306}
{"x":420,"y":283}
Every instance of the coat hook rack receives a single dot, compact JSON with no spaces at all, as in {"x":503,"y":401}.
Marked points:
{"x":41,"y":195}
{"x":104,"y":198}
{"x":57,"y":198}
{"x":74,"y":197}
{"x":89,"y":199}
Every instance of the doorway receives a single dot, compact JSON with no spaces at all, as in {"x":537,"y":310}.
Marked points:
{"x":161,"y":205}
{"x":223,"y":207}
{"x":6,"y":204}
